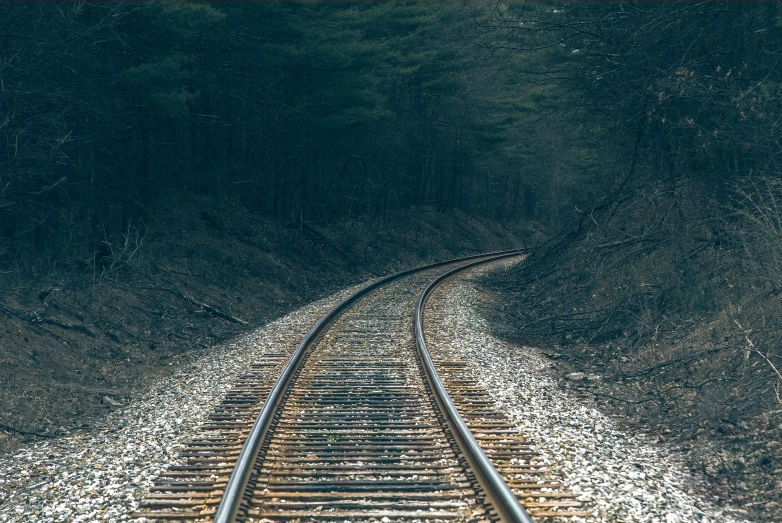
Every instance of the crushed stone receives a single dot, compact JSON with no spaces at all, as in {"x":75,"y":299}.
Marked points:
{"x":101,"y":475}
{"x":618,"y":476}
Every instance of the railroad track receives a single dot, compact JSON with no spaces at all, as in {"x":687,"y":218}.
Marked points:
{"x":359,"y":426}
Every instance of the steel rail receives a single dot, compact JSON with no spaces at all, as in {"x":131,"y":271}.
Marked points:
{"x":499,"y":494}
{"x":233,"y":495}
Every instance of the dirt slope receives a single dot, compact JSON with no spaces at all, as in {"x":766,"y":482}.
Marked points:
{"x":80,"y":340}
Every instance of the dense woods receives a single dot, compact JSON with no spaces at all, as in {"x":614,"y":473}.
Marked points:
{"x":667,"y":285}
{"x":641,"y":140}
{"x":175,"y":173}
{"x":300,"y":113}
{"x":309,"y":113}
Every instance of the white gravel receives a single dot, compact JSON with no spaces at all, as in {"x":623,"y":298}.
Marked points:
{"x":617,"y":475}
{"x":101,"y":475}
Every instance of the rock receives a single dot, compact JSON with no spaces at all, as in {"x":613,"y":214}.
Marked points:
{"x":577,"y":376}
{"x":107,"y":399}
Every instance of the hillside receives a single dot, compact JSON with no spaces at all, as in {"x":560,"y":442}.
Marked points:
{"x":78,"y":342}
{"x":668,"y":315}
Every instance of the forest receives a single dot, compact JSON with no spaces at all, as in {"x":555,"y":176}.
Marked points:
{"x":298,"y":113}
{"x":157,"y":157}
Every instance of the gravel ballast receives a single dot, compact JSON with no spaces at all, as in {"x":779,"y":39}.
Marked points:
{"x":617,"y":475}
{"x":101,"y":475}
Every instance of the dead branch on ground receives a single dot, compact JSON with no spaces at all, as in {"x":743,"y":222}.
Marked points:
{"x":208,"y":308}
{"x":751,"y":347}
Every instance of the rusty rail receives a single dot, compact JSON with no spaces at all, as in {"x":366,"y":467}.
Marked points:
{"x":499,"y":494}
{"x":237,"y":484}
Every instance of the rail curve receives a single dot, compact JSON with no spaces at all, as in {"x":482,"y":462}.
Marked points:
{"x":500,"y":495}
{"x":237,"y":483}
{"x":362,"y":422}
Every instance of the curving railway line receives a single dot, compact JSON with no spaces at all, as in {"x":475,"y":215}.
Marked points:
{"x":361,"y":423}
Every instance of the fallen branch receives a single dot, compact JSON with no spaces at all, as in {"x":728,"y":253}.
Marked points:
{"x":32,"y":318}
{"x":681,"y":361}
{"x":629,"y":402}
{"x":765,"y":357}
{"x":323,"y":238}
{"x":215,"y":311}
{"x":69,"y":326}
{"x":208,"y":308}
{"x":11,"y":312}
{"x":9,"y":428}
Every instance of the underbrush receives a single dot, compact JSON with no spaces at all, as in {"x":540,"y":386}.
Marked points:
{"x":669,"y":303}
{"x":81,"y":333}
